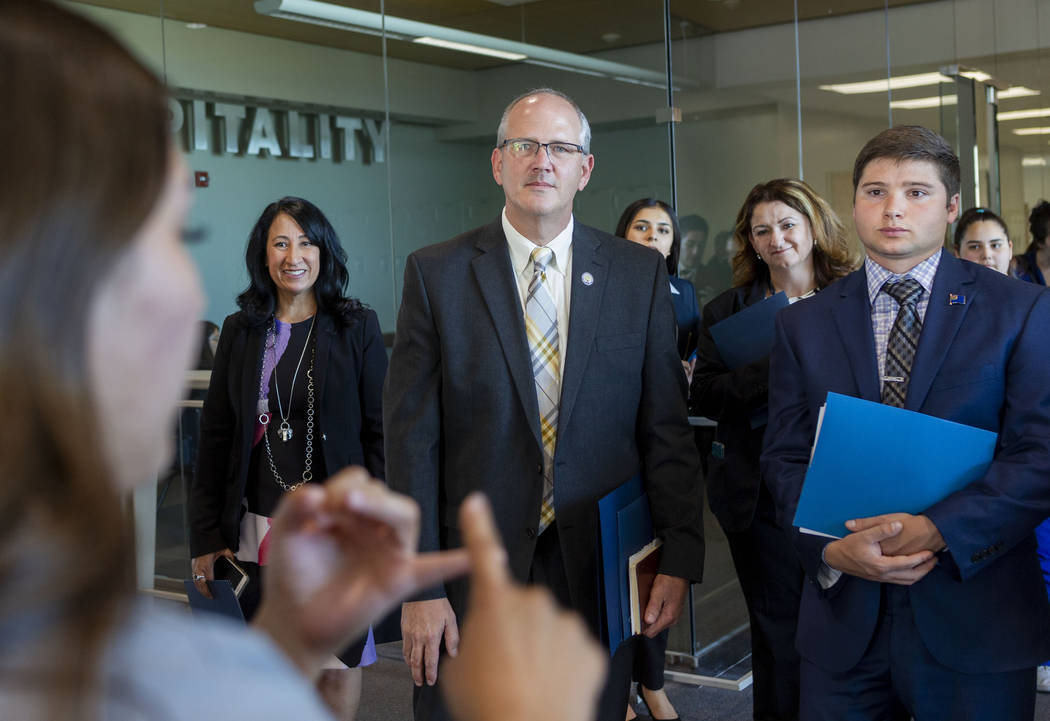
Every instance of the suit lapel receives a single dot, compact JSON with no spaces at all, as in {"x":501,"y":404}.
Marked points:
{"x":584,"y":308}
{"x":940,"y":325}
{"x":853,"y":317}
{"x":252,"y":368}
{"x":499,"y":289}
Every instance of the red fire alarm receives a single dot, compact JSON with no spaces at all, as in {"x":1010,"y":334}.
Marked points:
{"x":200,"y":178}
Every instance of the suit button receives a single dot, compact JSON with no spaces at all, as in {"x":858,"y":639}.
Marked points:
{"x":530,"y":532}
{"x":539,"y":468}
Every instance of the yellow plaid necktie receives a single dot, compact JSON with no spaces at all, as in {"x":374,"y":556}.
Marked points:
{"x":541,"y":328}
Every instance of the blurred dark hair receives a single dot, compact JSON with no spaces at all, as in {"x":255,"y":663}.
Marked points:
{"x":976,"y":215}
{"x":627,"y":217}
{"x":693,"y":222}
{"x":88,"y":134}
{"x":1039,"y":224}
{"x":911,"y":142}
{"x":832,"y":258}
{"x":259,"y":299}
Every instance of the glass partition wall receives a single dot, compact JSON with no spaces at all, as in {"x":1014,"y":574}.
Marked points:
{"x":384,"y":114}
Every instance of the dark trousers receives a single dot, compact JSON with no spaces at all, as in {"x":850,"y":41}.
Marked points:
{"x":771,"y":578}
{"x":649,"y":657}
{"x":548,"y":569}
{"x":897,"y":679}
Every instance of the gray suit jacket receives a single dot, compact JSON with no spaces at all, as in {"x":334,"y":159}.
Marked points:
{"x":460,"y":410}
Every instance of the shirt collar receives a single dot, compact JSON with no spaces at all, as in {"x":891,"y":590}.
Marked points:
{"x":923,"y":273}
{"x":521,"y":247}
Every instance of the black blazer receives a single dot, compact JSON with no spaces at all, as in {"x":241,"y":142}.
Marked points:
{"x":349,"y":367}
{"x":461,"y":410}
{"x":731,"y":397}
{"x":686,"y":315}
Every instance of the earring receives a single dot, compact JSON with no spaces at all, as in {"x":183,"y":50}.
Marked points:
{"x":758,"y":255}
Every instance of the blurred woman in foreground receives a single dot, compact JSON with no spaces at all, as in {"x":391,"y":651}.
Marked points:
{"x":98,"y":321}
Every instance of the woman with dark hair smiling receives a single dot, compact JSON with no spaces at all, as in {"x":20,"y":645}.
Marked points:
{"x":295,"y":395}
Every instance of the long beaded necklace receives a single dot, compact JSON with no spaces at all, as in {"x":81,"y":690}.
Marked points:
{"x":285,"y":429}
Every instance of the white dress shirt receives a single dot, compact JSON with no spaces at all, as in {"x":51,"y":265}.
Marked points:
{"x":559,"y":276}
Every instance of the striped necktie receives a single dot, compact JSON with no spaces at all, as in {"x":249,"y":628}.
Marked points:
{"x":541,"y":328}
{"x":903,"y":340}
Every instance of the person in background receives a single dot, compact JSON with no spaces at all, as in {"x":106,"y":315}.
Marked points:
{"x":1024,"y":267}
{"x":209,"y":344}
{"x":789,"y":240}
{"x":1033,"y":265}
{"x":694,"y":231}
{"x":653,"y":223}
{"x":981,"y":237}
{"x":97,"y":326}
{"x":295,"y":394}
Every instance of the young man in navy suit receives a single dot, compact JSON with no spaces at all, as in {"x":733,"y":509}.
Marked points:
{"x":940,"y":614}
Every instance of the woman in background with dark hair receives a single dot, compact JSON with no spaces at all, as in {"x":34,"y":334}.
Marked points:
{"x":653,"y":223}
{"x":295,"y":394}
{"x":788,"y":240}
{"x":981,"y":237}
{"x":1033,"y":265}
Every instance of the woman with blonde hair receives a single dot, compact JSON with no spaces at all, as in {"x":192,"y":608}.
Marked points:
{"x":788,"y":240}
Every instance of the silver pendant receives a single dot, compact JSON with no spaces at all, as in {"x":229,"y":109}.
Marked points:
{"x":285,"y":431}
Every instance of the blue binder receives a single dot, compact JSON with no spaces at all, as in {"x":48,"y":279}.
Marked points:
{"x":625,"y":525}
{"x":871,"y":459}
{"x":747,"y":336}
{"x":223,"y":601}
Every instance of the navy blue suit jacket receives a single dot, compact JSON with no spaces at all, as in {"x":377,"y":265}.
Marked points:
{"x":686,"y":315}
{"x":985,"y":363}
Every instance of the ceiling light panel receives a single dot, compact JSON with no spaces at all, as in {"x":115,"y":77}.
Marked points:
{"x":352,"y":19}
{"x":1024,"y":114}
{"x":881,"y":86}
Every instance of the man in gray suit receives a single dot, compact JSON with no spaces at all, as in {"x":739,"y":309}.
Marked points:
{"x":535,"y":360}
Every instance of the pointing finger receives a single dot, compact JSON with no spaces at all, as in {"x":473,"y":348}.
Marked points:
{"x":488,"y":559}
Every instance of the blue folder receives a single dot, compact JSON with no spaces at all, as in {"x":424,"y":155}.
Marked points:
{"x":747,"y":336}
{"x":625,"y":525}
{"x":223,"y":601}
{"x":871,"y":459}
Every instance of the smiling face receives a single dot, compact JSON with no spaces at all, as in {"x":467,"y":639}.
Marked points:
{"x":901,"y":210}
{"x":292,"y":259}
{"x":536,"y":187}
{"x":985,"y":242}
{"x":652,"y":227}
{"x":781,"y":235}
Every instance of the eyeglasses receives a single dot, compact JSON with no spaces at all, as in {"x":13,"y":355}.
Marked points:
{"x":557,"y":151}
